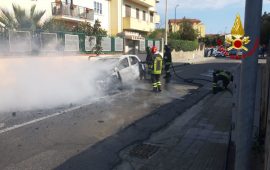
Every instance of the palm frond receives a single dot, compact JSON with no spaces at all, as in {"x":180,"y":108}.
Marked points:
{"x":20,"y":14}
{"x":37,"y":16}
{"x":32,"y":10}
{"x":7,"y":19}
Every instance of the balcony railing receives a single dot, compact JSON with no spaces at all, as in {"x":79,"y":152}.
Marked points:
{"x":136,"y":24}
{"x":73,"y":11}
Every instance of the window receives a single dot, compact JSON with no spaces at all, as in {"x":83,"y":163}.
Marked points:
{"x":98,"y":7}
{"x":151,"y":17}
{"x":144,"y":17}
{"x":128,"y":11}
{"x":123,"y":64}
{"x":133,"y":60}
{"x":137,"y":13}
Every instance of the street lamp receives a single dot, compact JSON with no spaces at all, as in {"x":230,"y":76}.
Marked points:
{"x":175,"y":17}
{"x":166,"y":22}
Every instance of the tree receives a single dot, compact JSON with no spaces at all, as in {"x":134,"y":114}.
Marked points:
{"x":187,"y":31}
{"x":54,"y":25}
{"x":84,"y":27}
{"x":157,"y":34}
{"x":98,"y":32}
{"x":212,"y":40}
{"x":20,"y":20}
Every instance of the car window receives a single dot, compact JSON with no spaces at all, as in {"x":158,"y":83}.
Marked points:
{"x":133,"y":60}
{"x":123,"y":64}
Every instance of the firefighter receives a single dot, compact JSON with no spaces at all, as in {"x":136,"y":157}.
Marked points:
{"x":167,"y":61}
{"x":148,"y":61}
{"x":220,"y":75}
{"x":156,"y":69}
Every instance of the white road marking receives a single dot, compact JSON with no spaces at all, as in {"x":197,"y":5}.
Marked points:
{"x":209,"y":73}
{"x":51,"y":115}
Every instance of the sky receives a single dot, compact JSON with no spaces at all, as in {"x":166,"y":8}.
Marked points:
{"x":217,"y":15}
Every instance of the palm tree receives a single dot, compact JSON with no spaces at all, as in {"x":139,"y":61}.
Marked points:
{"x":20,"y":20}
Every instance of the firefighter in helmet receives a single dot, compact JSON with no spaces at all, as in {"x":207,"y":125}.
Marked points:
{"x":221,"y":75}
{"x":156,"y":69}
{"x":167,"y":58}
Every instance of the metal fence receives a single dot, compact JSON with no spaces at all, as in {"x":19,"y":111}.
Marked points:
{"x":25,"y":41}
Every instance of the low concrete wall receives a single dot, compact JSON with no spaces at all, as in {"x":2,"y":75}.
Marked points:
{"x":186,"y":56}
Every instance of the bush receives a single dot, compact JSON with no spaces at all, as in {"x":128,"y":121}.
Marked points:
{"x":183,"y":45}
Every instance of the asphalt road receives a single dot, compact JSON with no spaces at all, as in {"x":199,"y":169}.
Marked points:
{"x":61,"y":138}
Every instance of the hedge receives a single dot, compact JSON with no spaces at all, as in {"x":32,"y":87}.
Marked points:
{"x":183,"y":45}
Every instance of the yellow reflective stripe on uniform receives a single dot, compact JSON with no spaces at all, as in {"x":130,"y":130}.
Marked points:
{"x":157,"y":64}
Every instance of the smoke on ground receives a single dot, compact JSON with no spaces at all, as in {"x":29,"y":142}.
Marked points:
{"x":29,"y":83}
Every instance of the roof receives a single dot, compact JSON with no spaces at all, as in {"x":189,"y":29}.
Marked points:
{"x":187,"y":19}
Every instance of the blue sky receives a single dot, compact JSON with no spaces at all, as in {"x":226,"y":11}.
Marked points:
{"x":217,"y":15}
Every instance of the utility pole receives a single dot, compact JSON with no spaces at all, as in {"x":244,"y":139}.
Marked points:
{"x":175,"y":17}
{"x":247,"y":95}
{"x":166,"y":22}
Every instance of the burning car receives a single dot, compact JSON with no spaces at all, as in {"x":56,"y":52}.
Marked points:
{"x":116,"y":72}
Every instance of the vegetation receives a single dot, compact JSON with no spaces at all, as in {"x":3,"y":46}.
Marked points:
{"x":54,"y":25}
{"x":186,"y":32}
{"x":157,"y":34}
{"x":20,"y":20}
{"x":183,"y":45}
{"x":98,"y":32}
{"x":185,"y":39}
{"x":94,"y":30}
{"x":212,"y":40}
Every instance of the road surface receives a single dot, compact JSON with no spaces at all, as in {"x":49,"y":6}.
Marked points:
{"x":47,"y":139}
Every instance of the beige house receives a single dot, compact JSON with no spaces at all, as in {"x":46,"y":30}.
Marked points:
{"x":175,"y":25}
{"x":132,"y":19}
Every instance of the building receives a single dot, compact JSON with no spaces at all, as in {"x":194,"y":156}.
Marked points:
{"x":74,"y":11}
{"x":132,"y":19}
{"x":175,"y":25}
{"x":71,"y":11}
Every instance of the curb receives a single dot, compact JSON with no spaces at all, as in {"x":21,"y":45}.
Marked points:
{"x":104,"y":154}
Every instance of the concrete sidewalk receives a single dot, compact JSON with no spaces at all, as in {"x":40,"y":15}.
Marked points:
{"x":195,"y":140}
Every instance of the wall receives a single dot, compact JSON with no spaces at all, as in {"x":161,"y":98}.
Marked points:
{"x":265,"y":113}
{"x":115,"y":16}
{"x":186,"y":56}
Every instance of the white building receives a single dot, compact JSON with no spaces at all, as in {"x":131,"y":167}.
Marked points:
{"x":80,"y":11}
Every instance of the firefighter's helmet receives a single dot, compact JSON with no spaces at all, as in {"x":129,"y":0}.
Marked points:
{"x":154,"y":49}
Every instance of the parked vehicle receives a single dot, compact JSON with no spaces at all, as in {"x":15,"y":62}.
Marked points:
{"x":235,"y":54}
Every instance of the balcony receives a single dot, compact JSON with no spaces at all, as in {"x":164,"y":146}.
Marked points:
{"x":72,"y":12}
{"x":136,"y":24}
{"x":157,"y":19}
{"x":146,"y":3}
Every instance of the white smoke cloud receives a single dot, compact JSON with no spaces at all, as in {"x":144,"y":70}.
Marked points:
{"x":43,"y":82}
